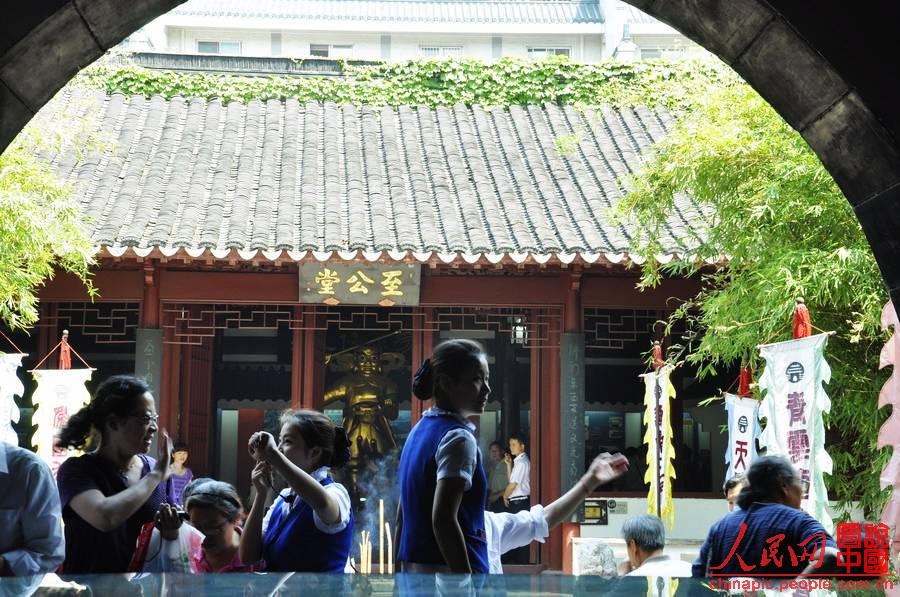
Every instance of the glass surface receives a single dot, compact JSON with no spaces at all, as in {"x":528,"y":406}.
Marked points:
{"x":335,"y":585}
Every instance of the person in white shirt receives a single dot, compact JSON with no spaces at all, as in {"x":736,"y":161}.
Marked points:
{"x":517,"y":495}
{"x":505,"y":531}
{"x":519,"y":487}
{"x":645,"y":539}
{"x":31,"y":535}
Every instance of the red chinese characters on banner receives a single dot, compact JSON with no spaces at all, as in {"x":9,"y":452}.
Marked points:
{"x":60,"y":417}
{"x":740,"y":451}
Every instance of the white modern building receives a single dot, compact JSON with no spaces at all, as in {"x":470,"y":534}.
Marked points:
{"x":583,"y":30}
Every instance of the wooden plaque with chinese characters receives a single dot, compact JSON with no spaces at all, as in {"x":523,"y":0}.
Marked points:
{"x":385,"y":285}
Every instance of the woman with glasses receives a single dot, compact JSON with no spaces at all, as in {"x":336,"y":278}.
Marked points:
{"x":770,"y":536}
{"x":111,"y":490}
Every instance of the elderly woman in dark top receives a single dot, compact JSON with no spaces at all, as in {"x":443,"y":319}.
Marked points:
{"x":109,"y":492}
{"x":739,"y":544}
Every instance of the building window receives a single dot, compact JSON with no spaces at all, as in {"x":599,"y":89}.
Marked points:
{"x":219,"y":47}
{"x":651,"y":52}
{"x":440,"y":51}
{"x":331,"y":50}
{"x":541,"y":52}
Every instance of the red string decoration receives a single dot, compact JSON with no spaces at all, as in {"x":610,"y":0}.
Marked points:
{"x":657,"y":354}
{"x":65,"y":351}
{"x":802,"y":322}
{"x":745,"y":378}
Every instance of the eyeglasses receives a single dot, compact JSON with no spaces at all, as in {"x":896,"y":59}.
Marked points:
{"x":804,"y":485}
{"x":146,"y":419}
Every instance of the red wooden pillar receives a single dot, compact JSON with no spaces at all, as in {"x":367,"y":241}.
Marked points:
{"x":197,"y":406}
{"x":573,"y":320}
{"x":170,"y":374}
{"x":549,"y":455}
{"x":150,"y":306}
{"x":307,"y":360}
{"x":297,"y":357}
{"x":422,"y":346}
{"x":170,"y":384}
{"x":570,"y":530}
{"x":312,"y":387}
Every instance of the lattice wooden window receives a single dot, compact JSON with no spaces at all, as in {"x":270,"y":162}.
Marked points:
{"x":618,"y":332}
{"x":102,"y":323}
{"x":191,"y":323}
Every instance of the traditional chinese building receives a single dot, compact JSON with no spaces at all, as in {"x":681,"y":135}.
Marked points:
{"x":246,"y":250}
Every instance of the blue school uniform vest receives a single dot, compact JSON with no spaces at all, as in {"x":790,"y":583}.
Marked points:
{"x":418,"y":481}
{"x":292,"y":542}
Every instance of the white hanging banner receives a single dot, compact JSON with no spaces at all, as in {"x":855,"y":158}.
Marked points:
{"x":889,"y":434}
{"x":660,"y":451}
{"x":793,"y":407}
{"x":743,"y":429}
{"x":60,"y":393}
{"x":10,"y":387}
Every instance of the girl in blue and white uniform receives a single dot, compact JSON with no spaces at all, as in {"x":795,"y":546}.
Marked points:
{"x":443,"y":486}
{"x":309,"y":527}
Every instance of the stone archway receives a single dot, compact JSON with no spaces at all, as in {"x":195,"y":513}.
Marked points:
{"x":805,"y":63}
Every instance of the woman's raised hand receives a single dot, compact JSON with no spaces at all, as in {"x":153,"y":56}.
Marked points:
{"x":164,"y":455}
{"x":262,"y":446}
{"x":261,"y":477}
{"x":168,"y":522}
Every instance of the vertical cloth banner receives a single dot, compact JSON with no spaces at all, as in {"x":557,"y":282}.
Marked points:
{"x":743,"y":429}
{"x":10,"y":387}
{"x":889,"y":434}
{"x":658,"y":394}
{"x":793,"y":407}
{"x":60,"y":393}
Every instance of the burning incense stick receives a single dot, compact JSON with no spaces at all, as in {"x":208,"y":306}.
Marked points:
{"x":390,"y":549}
{"x":380,"y":536}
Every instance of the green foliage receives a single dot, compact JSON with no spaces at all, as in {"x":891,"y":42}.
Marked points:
{"x":506,"y":82}
{"x":41,"y":226}
{"x":777,"y":217}
{"x":566,"y":144}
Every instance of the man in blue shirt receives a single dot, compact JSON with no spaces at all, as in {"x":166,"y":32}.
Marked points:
{"x":31,"y":540}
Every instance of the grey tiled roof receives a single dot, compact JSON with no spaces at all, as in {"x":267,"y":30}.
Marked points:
{"x":635,"y":15}
{"x":285,"y":176}
{"x":556,"y":12}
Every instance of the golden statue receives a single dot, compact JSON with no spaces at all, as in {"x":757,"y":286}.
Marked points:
{"x":370,"y":402}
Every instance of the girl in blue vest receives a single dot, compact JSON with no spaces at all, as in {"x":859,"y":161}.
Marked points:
{"x":309,"y":527}
{"x":443,"y":486}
